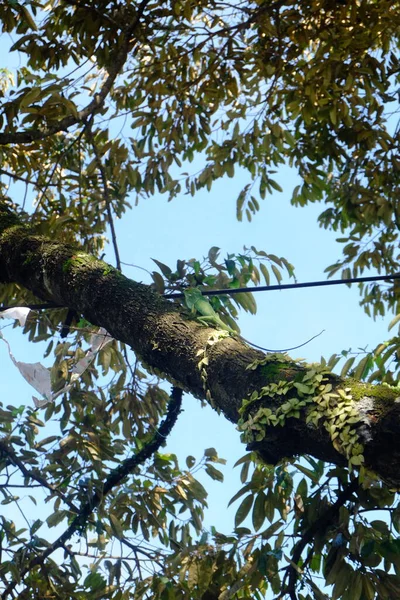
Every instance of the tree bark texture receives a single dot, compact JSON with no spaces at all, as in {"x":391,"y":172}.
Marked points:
{"x":170,"y":342}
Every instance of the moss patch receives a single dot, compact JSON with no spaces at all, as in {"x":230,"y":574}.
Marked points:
{"x":382,"y":392}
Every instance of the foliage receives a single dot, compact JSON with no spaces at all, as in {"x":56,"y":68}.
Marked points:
{"x":110,"y":102}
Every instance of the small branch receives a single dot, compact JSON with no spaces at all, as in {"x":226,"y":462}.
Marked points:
{"x":6,"y":486}
{"x":30,"y":474}
{"x":20,"y":178}
{"x":32,"y":306}
{"x":310,"y":533}
{"x":53,"y":170}
{"x":99,"y":557}
{"x":128,"y":465}
{"x":107,"y":198}
{"x":114,"y":479}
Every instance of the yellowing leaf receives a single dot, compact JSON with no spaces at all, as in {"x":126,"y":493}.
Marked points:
{"x":27,"y":16}
{"x":116,"y":527}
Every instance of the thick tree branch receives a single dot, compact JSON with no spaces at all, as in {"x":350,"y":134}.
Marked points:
{"x":170,"y":342}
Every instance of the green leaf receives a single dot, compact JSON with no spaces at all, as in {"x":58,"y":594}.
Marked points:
{"x":265,"y":273}
{"x":95,"y":581}
{"x":214,"y":473}
{"x":258,"y":515}
{"x":275,"y":185}
{"x":313,"y":476}
{"x":271,"y":530}
{"x":277,"y":273}
{"x":190,"y":461}
{"x":158,"y":281}
{"x":246,"y":458}
{"x":243,"y":509}
{"x":364,"y":366}
{"x":244,"y":471}
{"x":116,"y":527}
{"x":368,"y":587}
{"x":165,"y":270}
{"x":56,"y":517}
{"x":301,"y":387}
{"x":347,"y":366}
{"x":240,"y":493}
{"x":35,"y":526}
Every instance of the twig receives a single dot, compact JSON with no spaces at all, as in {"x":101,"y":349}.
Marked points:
{"x":53,"y":170}
{"x":20,"y":178}
{"x":100,"y":557}
{"x":135,"y":549}
{"x":30,"y":474}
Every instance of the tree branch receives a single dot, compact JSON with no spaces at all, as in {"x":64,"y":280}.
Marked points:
{"x":26,"y":137}
{"x":107,"y":198}
{"x":169,"y":342}
{"x":114,"y":479}
{"x":30,"y":474}
{"x":318,"y":526}
{"x":23,"y":179}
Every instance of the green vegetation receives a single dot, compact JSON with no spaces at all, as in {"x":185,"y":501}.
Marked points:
{"x":251,"y":85}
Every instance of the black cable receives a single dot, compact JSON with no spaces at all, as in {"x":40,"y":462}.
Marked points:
{"x":287,"y":286}
{"x":246,"y":290}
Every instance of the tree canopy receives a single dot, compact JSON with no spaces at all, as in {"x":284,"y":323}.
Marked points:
{"x":110,"y":105}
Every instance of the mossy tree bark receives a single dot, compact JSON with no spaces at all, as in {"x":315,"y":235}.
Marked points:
{"x":170,"y":342}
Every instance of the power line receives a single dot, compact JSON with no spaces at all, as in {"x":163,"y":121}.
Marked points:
{"x":247,"y":290}
{"x":288,"y":286}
